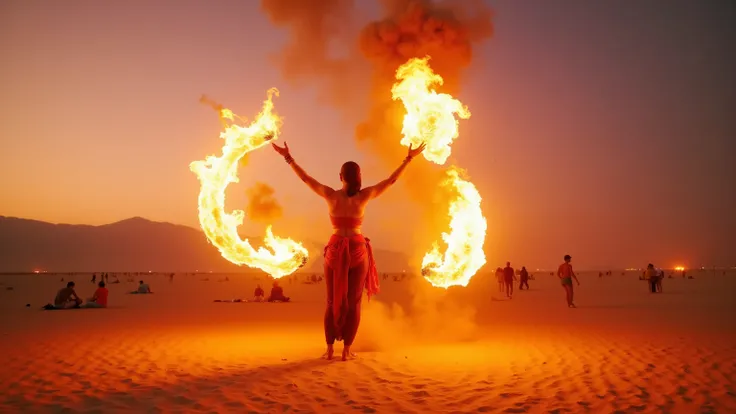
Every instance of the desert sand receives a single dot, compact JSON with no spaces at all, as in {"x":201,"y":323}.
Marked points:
{"x":421,"y":349}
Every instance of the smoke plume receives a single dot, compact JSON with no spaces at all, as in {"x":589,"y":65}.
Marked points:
{"x":262,"y":206}
{"x":447,"y":31}
{"x":317,"y":28}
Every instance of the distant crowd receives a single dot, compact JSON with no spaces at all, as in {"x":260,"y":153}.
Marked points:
{"x":506,"y":277}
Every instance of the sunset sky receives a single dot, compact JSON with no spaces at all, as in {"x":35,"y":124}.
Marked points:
{"x":606,"y":130}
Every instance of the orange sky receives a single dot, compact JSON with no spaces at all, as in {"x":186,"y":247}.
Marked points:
{"x":597,"y":132}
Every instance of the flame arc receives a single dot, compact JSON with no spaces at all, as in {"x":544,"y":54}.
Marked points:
{"x":283,"y":256}
{"x":432,"y":118}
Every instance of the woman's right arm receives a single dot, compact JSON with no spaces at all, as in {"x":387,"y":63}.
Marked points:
{"x":378,"y":189}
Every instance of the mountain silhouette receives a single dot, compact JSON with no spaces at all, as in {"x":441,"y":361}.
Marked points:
{"x":132,"y":245}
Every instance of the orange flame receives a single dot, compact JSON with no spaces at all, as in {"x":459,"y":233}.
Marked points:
{"x":431,"y":118}
{"x":216,"y":173}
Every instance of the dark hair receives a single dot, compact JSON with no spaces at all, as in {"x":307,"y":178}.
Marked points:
{"x":567,"y":257}
{"x":101,"y":284}
{"x":350,"y":172}
{"x":70,"y":284}
{"x":140,"y":281}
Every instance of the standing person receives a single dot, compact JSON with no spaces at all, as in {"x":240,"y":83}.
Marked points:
{"x":499,"y":279}
{"x":660,"y":276}
{"x":566,"y":275}
{"x":509,"y":277}
{"x":651,"y":275}
{"x":524,"y":278}
{"x":349,"y":265}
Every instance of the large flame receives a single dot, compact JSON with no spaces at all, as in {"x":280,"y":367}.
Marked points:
{"x":431,"y":118}
{"x":464,"y":254}
{"x":216,"y":173}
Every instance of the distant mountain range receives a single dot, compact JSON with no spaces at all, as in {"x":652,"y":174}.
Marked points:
{"x":131,"y":245}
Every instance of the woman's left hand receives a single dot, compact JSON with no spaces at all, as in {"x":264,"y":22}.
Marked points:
{"x":283,"y":151}
{"x":413,"y":152}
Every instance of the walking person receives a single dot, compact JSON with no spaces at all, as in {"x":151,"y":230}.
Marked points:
{"x":566,"y":275}
{"x":509,"y":277}
{"x":523,"y":278}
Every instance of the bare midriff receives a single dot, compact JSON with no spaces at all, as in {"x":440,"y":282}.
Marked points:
{"x":346,"y":226}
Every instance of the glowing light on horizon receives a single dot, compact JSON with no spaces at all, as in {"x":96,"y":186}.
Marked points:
{"x":283,"y":256}
{"x":431,"y":118}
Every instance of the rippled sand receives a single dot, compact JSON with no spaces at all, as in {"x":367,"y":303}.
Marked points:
{"x":420,"y":349}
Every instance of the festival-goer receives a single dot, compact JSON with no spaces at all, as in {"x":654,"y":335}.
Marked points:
{"x":509,"y":277}
{"x":499,"y":279}
{"x":349,"y":265}
{"x":660,"y":276}
{"x":258,"y":294}
{"x":99,"y":299}
{"x":566,"y":275}
{"x":277,"y":293}
{"x":523,"y":278}
{"x":143,"y":287}
{"x":651,"y":276}
{"x":67,"y":297}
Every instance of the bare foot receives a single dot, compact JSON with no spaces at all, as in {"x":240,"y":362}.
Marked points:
{"x":572,"y":305}
{"x":330,"y":352}
{"x":346,"y":354}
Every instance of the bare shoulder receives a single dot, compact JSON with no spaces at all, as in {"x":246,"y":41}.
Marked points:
{"x":365,"y":194}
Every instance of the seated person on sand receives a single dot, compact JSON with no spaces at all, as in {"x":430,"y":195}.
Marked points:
{"x":259,"y":294}
{"x":277,"y":294}
{"x":99,"y":299}
{"x":67,"y":298}
{"x":143,"y":288}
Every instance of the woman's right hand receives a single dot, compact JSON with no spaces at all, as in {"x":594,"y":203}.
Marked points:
{"x":413,"y":152}
{"x":283,"y":151}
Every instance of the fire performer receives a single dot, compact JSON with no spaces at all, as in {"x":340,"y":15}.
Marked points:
{"x":349,"y":265}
